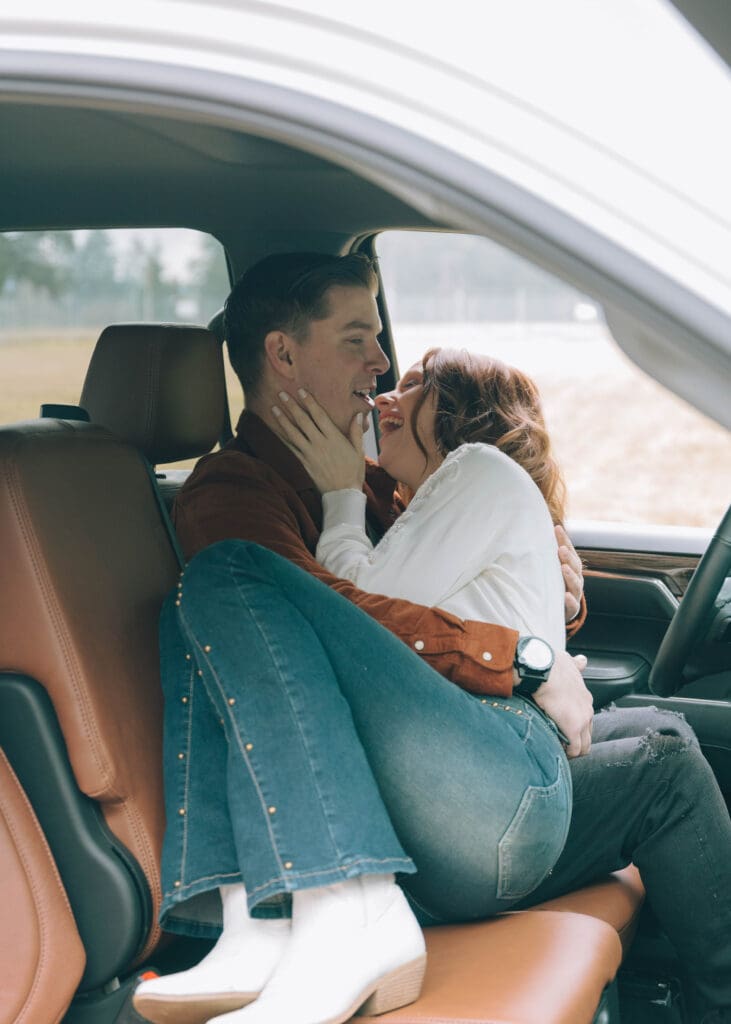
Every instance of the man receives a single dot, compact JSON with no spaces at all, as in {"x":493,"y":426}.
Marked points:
{"x":643,"y":792}
{"x":339,"y":364}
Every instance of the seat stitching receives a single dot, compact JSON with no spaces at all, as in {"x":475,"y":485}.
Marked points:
{"x":50,"y":603}
{"x":144,"y":854}
{"x":39,"y":907}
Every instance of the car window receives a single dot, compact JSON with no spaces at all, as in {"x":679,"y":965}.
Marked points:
{"x":631,"y":451}
{"x":59,"y":289}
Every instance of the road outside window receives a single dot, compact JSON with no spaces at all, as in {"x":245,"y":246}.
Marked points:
{"x":631,"y":451}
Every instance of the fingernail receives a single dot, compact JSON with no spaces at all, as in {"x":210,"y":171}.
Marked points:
{"x":302,"y":393}
{"x":359,"y":418}
{"x":276,"y":410}
{"x":284,"y":396}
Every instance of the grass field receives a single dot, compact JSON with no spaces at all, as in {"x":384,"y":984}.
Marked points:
{"x":631,"y":452}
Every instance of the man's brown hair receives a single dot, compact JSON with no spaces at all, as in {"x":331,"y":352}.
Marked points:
{"x":285,"y":292}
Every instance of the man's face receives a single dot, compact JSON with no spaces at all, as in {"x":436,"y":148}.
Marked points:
{"x":340,"y":358}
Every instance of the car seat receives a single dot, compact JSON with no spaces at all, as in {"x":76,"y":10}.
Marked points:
{"x":87,"y":559}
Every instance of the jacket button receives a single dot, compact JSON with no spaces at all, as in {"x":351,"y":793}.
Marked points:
{"x":419,"y":645}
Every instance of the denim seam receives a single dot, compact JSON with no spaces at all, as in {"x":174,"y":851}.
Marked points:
{"x":240,"y":744}
{"x":204,"y":878}
{"x":242,"y":750}
{"x":525,"y":715}
{"x":186,"y":776}
{"x":711,"y":870}
{"x":532,"y":794}
{"x":328,"y":871}
{"x":254,"y":778}
{"x":175,"y":893}
{"x":285,"y":690}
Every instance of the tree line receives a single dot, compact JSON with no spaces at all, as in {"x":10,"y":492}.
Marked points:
{"x":76,"y":279}
{"x":84,"y":278}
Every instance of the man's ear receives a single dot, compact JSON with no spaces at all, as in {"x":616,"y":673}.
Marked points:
{"x":278,"y":347}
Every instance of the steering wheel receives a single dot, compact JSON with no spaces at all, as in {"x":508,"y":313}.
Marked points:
{"x":691,"y":618}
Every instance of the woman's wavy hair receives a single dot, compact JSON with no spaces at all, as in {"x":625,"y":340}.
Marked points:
{"x":479,"y":398}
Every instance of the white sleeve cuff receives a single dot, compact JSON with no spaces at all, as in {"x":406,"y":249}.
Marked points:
{"x":343,"y":507}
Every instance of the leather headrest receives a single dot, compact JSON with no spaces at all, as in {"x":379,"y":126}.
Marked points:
{"x":159,"y":387}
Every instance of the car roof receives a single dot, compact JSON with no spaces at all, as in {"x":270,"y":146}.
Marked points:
{"x":307,"y":125}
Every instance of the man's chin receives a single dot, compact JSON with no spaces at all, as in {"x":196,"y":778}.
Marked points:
{"x":366,"y":421}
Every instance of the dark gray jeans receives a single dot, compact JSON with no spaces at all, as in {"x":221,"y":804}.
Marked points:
{"x":646,"y":794}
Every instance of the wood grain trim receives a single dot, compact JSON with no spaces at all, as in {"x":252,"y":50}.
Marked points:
{"x":675,"y":571}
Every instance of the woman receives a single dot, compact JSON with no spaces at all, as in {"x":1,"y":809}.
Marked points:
{"x":465,"y":435}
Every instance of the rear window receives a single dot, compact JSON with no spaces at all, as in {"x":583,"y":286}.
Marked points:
{"x":59,"y":289}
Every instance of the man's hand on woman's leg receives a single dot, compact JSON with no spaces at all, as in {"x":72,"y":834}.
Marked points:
{"x":567,"y":701}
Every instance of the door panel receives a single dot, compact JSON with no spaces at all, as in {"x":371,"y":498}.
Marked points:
{"x":631,"y":597}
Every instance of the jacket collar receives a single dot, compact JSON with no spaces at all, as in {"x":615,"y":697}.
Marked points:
{"x":255,"y":438}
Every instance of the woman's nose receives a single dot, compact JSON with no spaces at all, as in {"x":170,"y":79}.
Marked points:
{"x":384,"y":401}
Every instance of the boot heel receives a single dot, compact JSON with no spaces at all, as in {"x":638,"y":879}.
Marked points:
{"x":399,"y":988}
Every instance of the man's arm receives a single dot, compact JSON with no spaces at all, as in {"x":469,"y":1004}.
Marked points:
{"x":571,"y":568}
{"x":258,"y":506}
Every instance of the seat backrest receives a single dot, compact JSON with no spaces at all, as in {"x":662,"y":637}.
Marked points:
{"x":86,"y":564}
{"x":158,"y":386}
{"x":87,"y":561}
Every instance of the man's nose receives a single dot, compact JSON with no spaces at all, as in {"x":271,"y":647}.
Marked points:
{"x":377,"y":360}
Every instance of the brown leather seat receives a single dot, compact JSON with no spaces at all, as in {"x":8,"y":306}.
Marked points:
{"x":87,"y":561}
{"x":617,"y":900}
{"x":548,"y":968}
{"x":160,"y":387}
{"x":41,"y":956}
{"x":546,"y":965}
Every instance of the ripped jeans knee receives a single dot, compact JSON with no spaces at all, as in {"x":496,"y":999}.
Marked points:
{"x":664,"y":742}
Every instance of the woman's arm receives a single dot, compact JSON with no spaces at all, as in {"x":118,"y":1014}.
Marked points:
{"x":334,"y":463}
{"x":476,"y":511}
{"x":344,"y":546}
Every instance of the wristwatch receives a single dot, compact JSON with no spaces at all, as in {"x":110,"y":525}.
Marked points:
{"x":533,"y":662}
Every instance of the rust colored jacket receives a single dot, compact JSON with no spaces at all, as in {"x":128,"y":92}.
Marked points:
{"x":255,"y":489}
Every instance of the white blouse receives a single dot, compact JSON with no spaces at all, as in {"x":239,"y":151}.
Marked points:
{"x":476,"y":540}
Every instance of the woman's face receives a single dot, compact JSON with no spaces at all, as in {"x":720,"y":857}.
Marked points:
{"x":400,"y":456}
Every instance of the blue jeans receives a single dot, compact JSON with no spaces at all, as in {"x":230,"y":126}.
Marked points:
{"x":306,"y":744}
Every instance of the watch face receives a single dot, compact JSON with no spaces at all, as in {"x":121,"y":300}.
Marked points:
{"x":536,"y":654}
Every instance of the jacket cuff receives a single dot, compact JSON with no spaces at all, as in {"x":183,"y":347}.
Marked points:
{"x":343,"y":507}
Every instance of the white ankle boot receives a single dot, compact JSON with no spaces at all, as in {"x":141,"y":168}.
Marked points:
{"x":355,"y":947}
{"x":229,"y":977}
